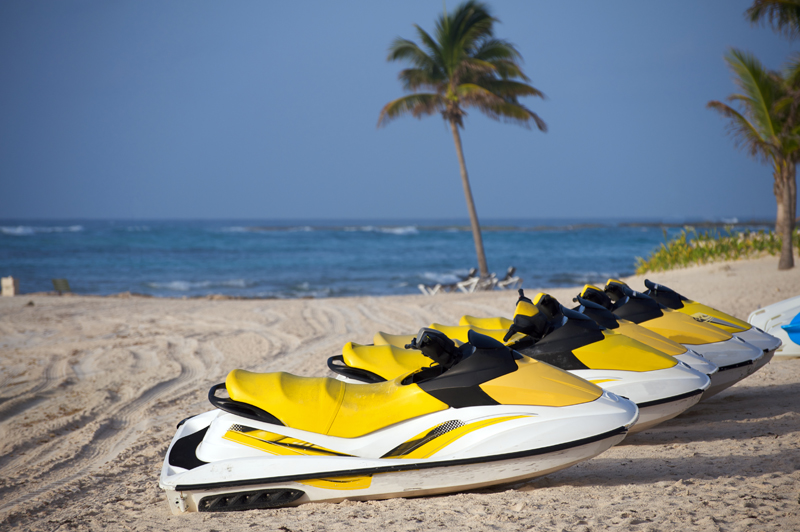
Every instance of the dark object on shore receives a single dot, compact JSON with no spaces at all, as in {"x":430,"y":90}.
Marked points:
{"x":29,"y":304}
{"x":61,"y":285}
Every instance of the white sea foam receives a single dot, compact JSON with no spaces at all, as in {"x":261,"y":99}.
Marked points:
{"x":235,"y":229}
{"x":441,"y":278}
{"x":185,"y":286}
{"x":408,"y":230}
{"x":23,"y":230}
{"x":303,"y":229}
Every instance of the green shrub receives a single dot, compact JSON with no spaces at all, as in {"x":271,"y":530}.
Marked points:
{"x":690,"y":247}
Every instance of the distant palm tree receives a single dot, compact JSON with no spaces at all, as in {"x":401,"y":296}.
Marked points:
{"x":782,"y":15}
{"x":760,"y":129}
{"x":464,"y":66}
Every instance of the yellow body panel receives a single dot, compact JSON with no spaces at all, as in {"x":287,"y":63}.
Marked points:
{"x":397,"y":340}
{"x":619,"y":352}
{"x":388,"y":361}
{"x":526,"y":309}
{"x":540,"y":384}
{"x":428,"y":443}
{"x":681,"y":328}
{"x":486,"y":323}
{"x":276,"y":444}
{"x":588,"y":287}
{"x":339,"y":483}
{"x":712,"y":316}
{"x":461,"y":332}
{"x":329,"y":406}
{"x":650,"y":338}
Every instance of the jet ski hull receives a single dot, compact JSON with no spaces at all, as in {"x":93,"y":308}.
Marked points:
{"x":203,"y":472}
{"x":660,"y":395}
{"x":735,"y":358}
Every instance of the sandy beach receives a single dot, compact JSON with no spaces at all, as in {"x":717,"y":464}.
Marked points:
{"x":92,"y":388}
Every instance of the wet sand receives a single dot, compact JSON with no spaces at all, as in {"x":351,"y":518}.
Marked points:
{"x":92,"y":388}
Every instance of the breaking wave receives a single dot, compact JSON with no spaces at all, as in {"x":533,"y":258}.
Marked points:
{"x":24,"y":230}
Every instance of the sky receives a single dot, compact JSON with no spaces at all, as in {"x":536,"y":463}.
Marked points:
{"x":268,"y":110}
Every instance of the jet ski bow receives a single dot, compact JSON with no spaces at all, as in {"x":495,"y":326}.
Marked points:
{"x":703,"y":313}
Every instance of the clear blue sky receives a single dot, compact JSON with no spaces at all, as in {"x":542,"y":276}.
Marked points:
{"x":257,"y":109}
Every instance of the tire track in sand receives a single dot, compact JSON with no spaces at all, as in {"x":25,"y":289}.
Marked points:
{"x":114,"y":434}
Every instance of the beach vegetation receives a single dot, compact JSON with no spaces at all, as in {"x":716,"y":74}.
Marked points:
{"x":691,"y":247}
{"x":762,"y":119}
{"x":462,"y":65}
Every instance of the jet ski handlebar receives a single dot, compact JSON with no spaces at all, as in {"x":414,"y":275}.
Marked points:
{"x":436,"y":346}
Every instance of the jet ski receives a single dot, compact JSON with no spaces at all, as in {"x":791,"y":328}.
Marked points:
{"x":661,"y":387}
{"x":782,"y":320}
{"x":703,"y":313}
{"x":733,"y":357}
{"x":476,"y":415}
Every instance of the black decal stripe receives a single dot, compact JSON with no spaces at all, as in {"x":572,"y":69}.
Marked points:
{"x":404,"y":467}
{"x":734,"y":366}
{"x":669,"y":399}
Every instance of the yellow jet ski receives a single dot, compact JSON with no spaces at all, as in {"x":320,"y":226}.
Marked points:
{"x":661,"y":387}
{"x":733,"y":357}
{"x":738,"y":328}
{"x":473,"y":416}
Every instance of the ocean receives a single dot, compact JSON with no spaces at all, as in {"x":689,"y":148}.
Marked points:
{"x":290,"y":259}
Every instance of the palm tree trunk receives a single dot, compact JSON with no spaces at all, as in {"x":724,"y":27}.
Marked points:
{"x":473,"y":215}
{"x":777,"y":189}
{"x":785,"y":216}
{"x":792,"y":182}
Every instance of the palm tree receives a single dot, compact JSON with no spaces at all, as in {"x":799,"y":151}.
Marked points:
{"x":761,"y":130}
{"x":463,"y":66}
{"x":782,"y":15}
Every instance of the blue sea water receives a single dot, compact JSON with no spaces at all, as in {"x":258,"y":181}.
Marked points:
{"x":251,"y":258}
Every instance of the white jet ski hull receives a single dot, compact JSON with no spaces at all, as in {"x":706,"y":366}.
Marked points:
{"x":529,"y":442}
{"x":735,"y":360}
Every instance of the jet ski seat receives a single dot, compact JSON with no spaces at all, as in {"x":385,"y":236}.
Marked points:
{"x":329,"y":406}
{"x":485,"y":323}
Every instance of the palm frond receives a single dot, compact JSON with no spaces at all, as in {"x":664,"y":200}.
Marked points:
{"x":745,"y":135}
{"x":791,"y":72}
{"x":514,"y":113}
{"x":417,"y":105}
{"x":417,"y":78}
{"x":471,"y":22}
{"x":782,"y":15}
{"x":434,"y":50}
{"x":758,"y":87}
{"x":469,"y":69}
{"x":509,"y":70}
{"x":511,"y":89}
{"x":496,"y":49}
{"x":405,"y":50}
